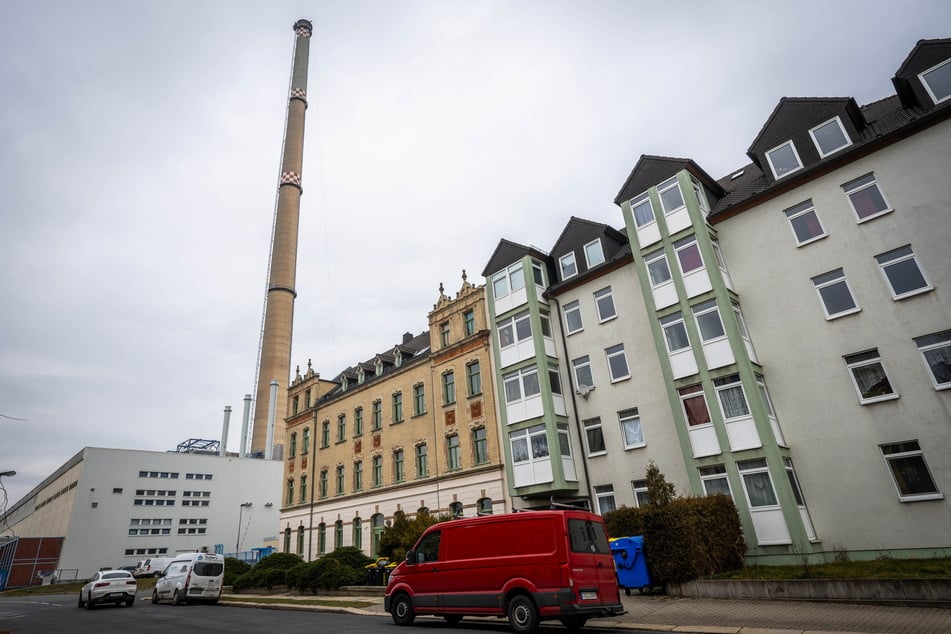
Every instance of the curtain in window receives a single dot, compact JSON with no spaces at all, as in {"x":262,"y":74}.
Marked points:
{"x":519,"y":450}
{"x":540,"y":446}
{"x":643,"y":214}
{"x":871,"y":380}
{"x":690,"y":259}
{"x":633,"y":434}
{"x":760,"y":489}
{"x":734,"y":402}
{"x":595,"y":440}
{"x":939,"y":360}
{"x":696,"y":408}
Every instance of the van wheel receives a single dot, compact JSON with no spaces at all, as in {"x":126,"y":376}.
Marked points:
{"x":155,"y":598}
{"x":176,"y":598}
{"x":402,"y":610}
{"x":523,"y":617}
{"x":453,"y":619}
{"x":574,"y":623}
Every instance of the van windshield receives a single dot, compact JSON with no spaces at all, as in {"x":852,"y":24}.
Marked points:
{"x":208,"y":568}
{"x":587,"y":537}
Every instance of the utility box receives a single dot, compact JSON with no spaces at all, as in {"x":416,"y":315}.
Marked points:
{"x":630,"y":564}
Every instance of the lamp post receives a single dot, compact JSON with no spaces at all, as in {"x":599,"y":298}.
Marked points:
{"x":237,"y":546}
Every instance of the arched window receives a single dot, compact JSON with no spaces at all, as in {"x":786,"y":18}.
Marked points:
{"x":455,"y":510}
{"x":422,"y":511}
{"x":300,"y":541}
{"x":484,"y":506}
{"x":287,"y":539}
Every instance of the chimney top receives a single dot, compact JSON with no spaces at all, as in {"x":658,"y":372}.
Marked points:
{"x":407,"y":337}
{"x":304,"y":24}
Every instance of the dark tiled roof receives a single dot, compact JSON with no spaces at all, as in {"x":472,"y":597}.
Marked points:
{"x":615,"y":244}
{"x":508,"y":252}
{"x":652,"y":170}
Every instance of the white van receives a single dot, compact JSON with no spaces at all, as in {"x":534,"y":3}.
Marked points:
{"x":151,"y":567}
{"x":191,"y":577}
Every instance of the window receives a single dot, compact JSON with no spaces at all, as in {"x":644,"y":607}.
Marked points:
{"x":688,"y":253}
{"x":617,"y":362}
{"x":869,"y":378}
{"x":568,"y":266}
{"x":582,"y":366}
{"x":341,"y":427}
{"x":675,"y":333}
{"x":701,"y":195}
{"x":605,"y":497}
{"x":468,"y":321}
{"x":631,"y":430}
{"x":422,"y":466}
{"x":758,"y":484}
{"x":474,"y":378}
{"x":554,"y":379}
{"x":444,"y":333}
{"x":909,"y":471}
{"x":714,"y":480}
{"x":303,"y":489}
{"x":358,"y":475}
{"x":398,"y":407}
{"x":657,"y":268}
{"x":357,"y":422}
{"x":529,"y":444}
{"x":572,"y":312}
{"x":377,"y":471}
{"x":295,"y":405}
{"x":642,"y":210}
{"x":419,"y":399}
{"x":835,"y":295}
{"x":671,"y":199}
{"x":338,"y":534}
{"x":307,"y":399}
{"x":306,"y":448}
{"x":936,"y":352}
{"x":480,"y":446}
{"x":866,"y":198}
{"x":903,"y":273}
{"x":937,"y":81}
{"x":521,"y":384}
{"x":321,"y":538}
{"x":515,"y":329}
{"x":593,"y":253}
{"x":830,"y":137}
{"x":784,"y":160}
{"x":322,"y":484}
{"x":794,"y":482}
{"x":708,"y":321}
{"x":452,"y":451}
{"x":594,"y":437}
{"x":546,"y":325}
{"x":604,"y":300}
{"x":290,"y":492}
{"x":377,"y":415}
{"x":448,"y":388}
{"x":357,"y":533}
{"x":455,"y":510}
{"x":325,"y":434}
{"x":695,"y":405}
{"x":508,"y":281}
{"x":640,"y":493}
{"x":340,"y":479}
{"x":293,"y":447}
{"x":804,"y":222}
{"x":732,"y":398}
{"x":484,"y":506}
{"x":399,"y":472}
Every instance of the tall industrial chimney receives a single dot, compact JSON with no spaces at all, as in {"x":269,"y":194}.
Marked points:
{"x":274,"y":362}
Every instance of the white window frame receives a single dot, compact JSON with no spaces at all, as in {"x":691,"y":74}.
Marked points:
{"x":769,"y":158}
{"x":826,"y":280}
{"x":683,"y":245}
{"x":588,"y":253}
{"x":511,"y":275}
{"x":594,"y":426}
{"x":639,"y":201}
{"x":856,"y":185}
{"x":696,"y":391}
{"x":651,"y":258}
{"x":929,"y":344}
{"x":554,"y":379}
{"x":903,"y":451}
{"x":924,"y":82}
{"x":865,"y":359}
{"x":701,"y":195}
{"x":613,"y":352}
{"x":638,"y":488}
{"x":514,"y":322}
{"x":707,"y":308}
{"x":756,"y":467}
{"x":633,"y":416}
{"x":801,"y":211}
{"x":711,"y":473}
{"x":605,"y":295}
{"x":527,"y":435}
{"x":576,"y":365}
{"x":838,"y":122}
{"x":520,"y":376}
{"x":671,"y":320}
{"x":730,"y":383}
{"x":604,"y":492}
{"x":667,"y":186}
{"x":566,"y":261}
{"x":572,"y":307}
{"x":896,"y":257}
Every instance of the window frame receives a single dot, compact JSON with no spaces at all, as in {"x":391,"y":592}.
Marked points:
{"x":931,"y":343}
{"x":601,"y":295}
{"x":845,"y":134}
{"x":468,"y":322}
{"x":651,"y":258}
{"x":896,"y":257}
{"x":669,"y":185}
{"x":639,"y":201}
{"x":795,"y":153}
{"x":397,"y":398}
{"x":904,"y":453}
{"x":612,"y":353}
{"x":583,"y":361}
{"x":864,"y":359}
{"x":927,"y":86}
{"x":519,"y":375}
{"x":726,"y":384}
{"x":826,"y":280}
{"x":799,"y":212}
{"x":639,"y":489}
{"x":684,"y":244}
{"x":449,"y":388}
{"x":594,"y":431}
{"x":689,"y":393}
{"x":421,"y":458}
{"x":399,"y":466}
{"x":711,"y":473}
{"x":627,"y":416}
{"x":757,"y":467}
{"x":377,"y":414}
{"x":419,"y":399}
{"x":357,"y":422}
{"x":568,"y":262}
{"x":605,"y":493}
{"x":574,"y":308}
{"x":480,"y":446}
{"x":474,"y":378}
{"x":860,"y":184}
{"x":669,"y":321}
{"x":703,"y":310}
{"x":510,"y":275}
{"x":515,"y":326}
{"x":453,"y":453}
{"x":600,"y":253}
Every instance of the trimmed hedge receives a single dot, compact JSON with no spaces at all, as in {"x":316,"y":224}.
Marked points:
{"x":688,"y":538}
{"x":267,"y":573}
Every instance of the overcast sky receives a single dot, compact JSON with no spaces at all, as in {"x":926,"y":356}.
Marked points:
{"x":139,"y":157}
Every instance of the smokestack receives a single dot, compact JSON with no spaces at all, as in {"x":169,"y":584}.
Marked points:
{"x":244,"y":426}
{"x":224,"y":432}
{"x":274,"y":360}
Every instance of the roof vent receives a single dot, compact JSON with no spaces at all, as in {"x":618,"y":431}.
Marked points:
{"x":407,"y":337}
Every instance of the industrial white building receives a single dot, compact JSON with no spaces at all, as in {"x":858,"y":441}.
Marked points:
{"x":116,"y":507}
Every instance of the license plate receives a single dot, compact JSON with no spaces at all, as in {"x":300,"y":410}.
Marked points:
{"x":117,"y":594}
{"x":589,"y":596}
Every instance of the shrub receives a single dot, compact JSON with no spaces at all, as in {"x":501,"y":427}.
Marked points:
{"x":269,"y":572}
{"x":234,"y":568}
{"x":403,"y":533}
{"x":342,"y":567}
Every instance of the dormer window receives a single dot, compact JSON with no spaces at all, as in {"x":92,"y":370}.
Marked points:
{"x":379,"y":367}
{"x":937,"y":81}
{"x":830,"y":137}
{"x":568,"y":266}
{"x":784,"y":160}
{"x":360,"y":376}
{"x":398,"y":358}
{"x":593,"y":253}
{"x":344,"y":384}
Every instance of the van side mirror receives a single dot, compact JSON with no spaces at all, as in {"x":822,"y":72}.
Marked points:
{"x":410,"y":557}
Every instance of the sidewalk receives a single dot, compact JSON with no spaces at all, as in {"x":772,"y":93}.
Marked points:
{"x":718,"y":616}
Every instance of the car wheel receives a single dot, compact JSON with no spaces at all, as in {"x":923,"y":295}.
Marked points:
{"x":523,"y":617}
{"x":81,"y":602}
{"x":402,"y":610}
{"x":130,"y":602}
{"x":453,"y":619}
{"x":155,"y":598}
{"x":573,"y":623}
{"x":176,"y":598}
{"x":89,"y":604}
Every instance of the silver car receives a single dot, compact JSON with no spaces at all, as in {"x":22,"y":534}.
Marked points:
{"x":108,"y":586}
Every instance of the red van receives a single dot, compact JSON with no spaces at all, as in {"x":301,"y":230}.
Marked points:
{"x":529,"y":567}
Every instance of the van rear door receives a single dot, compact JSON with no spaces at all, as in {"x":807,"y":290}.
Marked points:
{"x":591,"y":562}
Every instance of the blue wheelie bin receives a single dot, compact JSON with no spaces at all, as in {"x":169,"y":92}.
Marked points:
{"x":631,"y":566}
